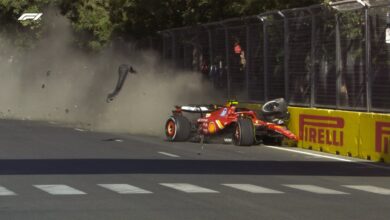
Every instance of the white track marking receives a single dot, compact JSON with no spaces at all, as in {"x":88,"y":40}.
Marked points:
{"x":168,"y":154}
{"x":371,"y":189}
{"x":253,"y":188}
{"x":59,"y":190}
{"x":79,"y":129}
{"x":362,"y":162}
{"x":188,"y":188}
{"x":308,"y":153}
{"x":124,"y":189}
{"x":316,"y":189}
{"x":5,"y":192}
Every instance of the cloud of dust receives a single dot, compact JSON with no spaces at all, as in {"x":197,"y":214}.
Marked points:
{"x":56,"y":82}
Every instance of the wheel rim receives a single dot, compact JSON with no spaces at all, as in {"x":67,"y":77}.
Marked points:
{"x":171,"y":128}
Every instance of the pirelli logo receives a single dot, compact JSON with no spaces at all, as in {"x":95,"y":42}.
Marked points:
{"x":321,"y":129}
{"x":382,"y":137}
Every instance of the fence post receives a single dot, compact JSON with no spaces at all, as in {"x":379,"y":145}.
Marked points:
{"x":164,"y":46}
{"x":210,"y":46}
{"x":173,"y":38}
{"x":338,"y":61}
{"x":248,"y":58}
{"x":368,"y":59}
{"x":313,"y":54}
{"x":227,"y":59}
{"x":286,"y":56}
{"x":265,"y":56}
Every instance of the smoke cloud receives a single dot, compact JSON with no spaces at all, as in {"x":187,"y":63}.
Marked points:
{"x":57,"y":82}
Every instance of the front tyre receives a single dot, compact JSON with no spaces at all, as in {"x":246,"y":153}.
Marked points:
{"x":177,"y":128}
{"x":244,"y":133}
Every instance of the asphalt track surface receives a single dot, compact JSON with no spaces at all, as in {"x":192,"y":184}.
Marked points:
{"x":51,"y":172}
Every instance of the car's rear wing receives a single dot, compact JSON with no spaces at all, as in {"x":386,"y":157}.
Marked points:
{"x":195,"y":108}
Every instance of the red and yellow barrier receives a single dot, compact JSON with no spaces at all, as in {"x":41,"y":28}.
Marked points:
{"x":375,"y":137}
{"x":355,"y":134}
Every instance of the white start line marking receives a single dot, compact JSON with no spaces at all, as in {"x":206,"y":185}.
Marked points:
{"x":125,"y":189}
{"x":188,"y":188}
{"x":253,"y":188}
{"x":6,"y":192}
{"x":371,"y":189}
{"x":59,"y":190}
{"x":316,"y":189}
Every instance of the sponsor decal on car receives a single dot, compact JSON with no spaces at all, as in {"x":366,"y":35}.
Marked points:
{"x":224,"y":112}
{"x":203,"y":120}
{"x":220,"y":125}
{"x":228,"y":140}
{"x":212,"y":128}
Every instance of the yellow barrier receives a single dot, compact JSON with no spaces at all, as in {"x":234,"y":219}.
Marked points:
{"x":375,"y":137}
{"x":355,"y":134}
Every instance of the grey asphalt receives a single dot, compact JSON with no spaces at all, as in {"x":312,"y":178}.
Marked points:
{"x":35,"y":153}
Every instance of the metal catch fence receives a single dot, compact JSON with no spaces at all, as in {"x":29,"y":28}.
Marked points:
{"x":332,"y":56}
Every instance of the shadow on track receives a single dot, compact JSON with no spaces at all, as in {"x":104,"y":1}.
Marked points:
{"x":214,"y":167}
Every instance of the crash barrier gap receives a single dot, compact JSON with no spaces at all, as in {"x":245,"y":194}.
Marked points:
{"x":353,"y":134}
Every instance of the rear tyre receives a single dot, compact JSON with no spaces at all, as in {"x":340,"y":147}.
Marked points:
{"x":244,"y":133}
{"x":177,"y":128}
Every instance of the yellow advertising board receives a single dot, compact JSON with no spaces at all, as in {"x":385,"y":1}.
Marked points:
{"x":375,"y":137}
{"x":355,"y":134}
{"x":329,"y":131}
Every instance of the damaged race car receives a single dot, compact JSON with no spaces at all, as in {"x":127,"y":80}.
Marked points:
{"x":243,"y":124}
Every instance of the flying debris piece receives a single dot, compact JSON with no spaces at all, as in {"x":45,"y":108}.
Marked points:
{"x":123,"y":70}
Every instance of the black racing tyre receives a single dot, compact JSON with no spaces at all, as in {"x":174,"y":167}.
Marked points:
{"x":270,"y":107}
{"x":178,"y":128}
{"x":244,"y":133}
{"x":275,"y":106}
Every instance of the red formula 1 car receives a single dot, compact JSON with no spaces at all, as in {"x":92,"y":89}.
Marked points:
{"x":244,"y":124}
